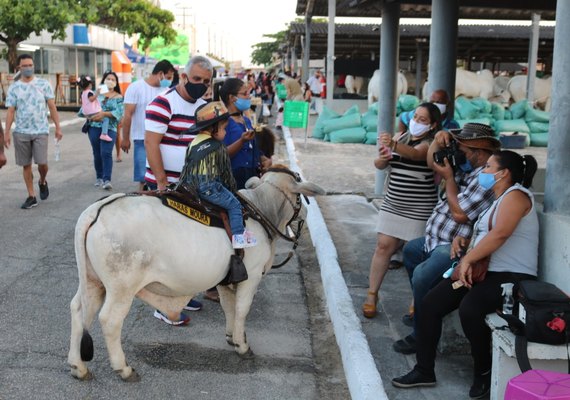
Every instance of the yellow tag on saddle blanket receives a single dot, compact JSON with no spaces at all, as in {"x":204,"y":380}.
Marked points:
{"x":188,"y":211}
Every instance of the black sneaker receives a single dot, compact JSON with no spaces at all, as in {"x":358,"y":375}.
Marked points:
{"x":408,"y":320}
{"x":29,"y":203}
{"x":44,"y":190}
{"x":414,"y":378}
{"x":481,"y":386}
{"x":406,"y":345}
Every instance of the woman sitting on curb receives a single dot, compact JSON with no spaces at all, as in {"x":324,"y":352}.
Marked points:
{"x":512,"y":244}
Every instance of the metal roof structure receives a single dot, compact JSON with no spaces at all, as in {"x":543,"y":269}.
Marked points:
{"x":492,"y":43}
{"x":470,"y":9}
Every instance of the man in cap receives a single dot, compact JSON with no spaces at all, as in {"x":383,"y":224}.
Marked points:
{"x":427,"y":258}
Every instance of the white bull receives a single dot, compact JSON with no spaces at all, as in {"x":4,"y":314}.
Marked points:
{"x":139,"y":248}
{"x":474,"y":84}
{"x":516,"y":89}
{"x":353,"y":84}
{"x":374,"y":86}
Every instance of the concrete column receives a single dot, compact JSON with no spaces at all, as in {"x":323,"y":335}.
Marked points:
{"x":419,"y":62}
{"x":307,"y":52}
{"x":389,"y":58}
{"x":556,"y":193}
{"x":532,"y":55}
{"x":443,"y":47}
{"x":330,"y":53}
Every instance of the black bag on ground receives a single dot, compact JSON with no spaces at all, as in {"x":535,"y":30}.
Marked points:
{"x":546,"y":318}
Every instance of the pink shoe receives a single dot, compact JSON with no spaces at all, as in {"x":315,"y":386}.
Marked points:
{"x":106,"y":137}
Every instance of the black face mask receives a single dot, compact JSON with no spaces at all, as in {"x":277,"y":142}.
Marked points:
{"x":195,"y":90}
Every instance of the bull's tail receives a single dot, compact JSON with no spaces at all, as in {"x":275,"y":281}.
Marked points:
{"x":85,"y":270}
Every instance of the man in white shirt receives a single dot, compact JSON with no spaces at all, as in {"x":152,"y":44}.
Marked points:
{"x":139,"y":94}
{"x":316,"y":86}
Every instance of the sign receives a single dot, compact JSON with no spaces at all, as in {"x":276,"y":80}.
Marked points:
{"x":296,"y":114}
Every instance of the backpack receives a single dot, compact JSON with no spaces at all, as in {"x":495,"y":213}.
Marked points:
{"x":544,"y":318}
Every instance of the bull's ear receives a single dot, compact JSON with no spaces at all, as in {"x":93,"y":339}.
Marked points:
{"x":252,"y":182}
{"x":308,"y":189}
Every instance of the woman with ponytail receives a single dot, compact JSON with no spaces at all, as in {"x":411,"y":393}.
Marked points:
{"x":508,"y":233}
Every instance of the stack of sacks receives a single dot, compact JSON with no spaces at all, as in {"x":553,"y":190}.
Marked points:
{"x":517,"y":123}
{"x":326,"y":115}
{"x":340,"y":129}
{"x":539,"y":124}
{"x":477,"y":110}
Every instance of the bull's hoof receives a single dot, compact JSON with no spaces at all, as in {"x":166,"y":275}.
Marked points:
{"x":87,"y":376}
{"x":133,"y":376}
{"x":248,"y":355}
{"x":230,"y":340}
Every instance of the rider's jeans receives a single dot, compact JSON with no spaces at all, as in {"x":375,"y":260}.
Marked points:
{"x":216,"y":193}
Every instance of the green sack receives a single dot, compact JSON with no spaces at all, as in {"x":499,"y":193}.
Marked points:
{"x":518,"y":109}
{"x":369,"y":121}
{"x":533,"y":115}
{"x":539,"y":139}
{"x":537,"y":127}
{"x":486,"y":121}
{"x":465,"y":109}
{"x":483,"y":105}
{"x":513,"y":125}
{"x":508,"y":114}
{"x":371,"y":137}
{"x":350,"y":135}
{"x":352,"y":110}
{"x":325,"y":115}
{"x":344,"y":122}
{"x":498,"y":111}
{"x":373,"y":107}
{"x":408,"y":102}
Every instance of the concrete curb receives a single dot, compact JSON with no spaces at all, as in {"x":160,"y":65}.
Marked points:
{"x":362,"y":376}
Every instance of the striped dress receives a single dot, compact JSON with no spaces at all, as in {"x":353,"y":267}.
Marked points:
{"x":411,"y":196}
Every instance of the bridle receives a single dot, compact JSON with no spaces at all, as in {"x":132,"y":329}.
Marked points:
{"x":269,"y":227}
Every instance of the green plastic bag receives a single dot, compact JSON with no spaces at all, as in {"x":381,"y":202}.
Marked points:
{"x":296,"y":114}
{"x":465,"y":109}
{"x":533,"y":115}
{"x":350,"y":135}
{"x":483,"y":105}
{"x":352,"y":110}
{"x":408,"y":102}
{"x":498,"y":111}
{"x":538,"y":127}
{"x":371,"y":137}
{"x":373,"y":107}
{"x":508,"y":114}
{"x":369,"y":121}
{"x":486,"y":121}
{"x":513,"y":125}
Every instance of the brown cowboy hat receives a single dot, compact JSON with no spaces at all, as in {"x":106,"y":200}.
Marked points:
{"x":208,"y":114}
{"x":477,"y":136}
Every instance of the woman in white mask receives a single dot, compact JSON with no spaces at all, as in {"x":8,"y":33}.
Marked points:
{"x":410,"y":197}
{"x":112,"y":109}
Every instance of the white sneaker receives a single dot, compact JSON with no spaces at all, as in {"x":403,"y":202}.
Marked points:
{"x":246,"y":239}
{"x":107,"y":185}
{"x":99,"y":183}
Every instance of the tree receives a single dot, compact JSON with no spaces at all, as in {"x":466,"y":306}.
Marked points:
{"x":177,"y":53}
{"x":263,"y":52}
{"x":20,"y":18}
{"x":132,"y":17}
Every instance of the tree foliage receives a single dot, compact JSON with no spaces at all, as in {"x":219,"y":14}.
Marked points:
{"x":132,"y":17}
{"x":177,"y":52}
{"x":263,"y":52}
{"x":20,"y":18}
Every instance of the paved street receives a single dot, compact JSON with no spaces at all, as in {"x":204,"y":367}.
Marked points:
{"x":288,"y":328}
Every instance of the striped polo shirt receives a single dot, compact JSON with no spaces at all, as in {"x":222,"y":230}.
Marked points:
{"x":169,"y":115}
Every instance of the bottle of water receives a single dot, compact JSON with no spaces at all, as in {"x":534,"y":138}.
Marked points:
{"x":508,"y":300}
{"x":57,"y":150}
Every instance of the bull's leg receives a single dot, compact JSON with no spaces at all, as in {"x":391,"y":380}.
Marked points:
{"x":111,"y":317}
{"x":228,"y":302}
{"x":244,"y":297}
{"x":80,"y":313}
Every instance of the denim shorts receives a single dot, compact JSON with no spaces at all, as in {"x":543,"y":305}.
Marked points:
{"x":139,"y":161}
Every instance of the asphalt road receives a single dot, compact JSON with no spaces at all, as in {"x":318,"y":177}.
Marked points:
{"x":288,"y":327}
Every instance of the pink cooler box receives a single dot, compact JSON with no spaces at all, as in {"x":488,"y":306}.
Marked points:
{"x":539,"y":385}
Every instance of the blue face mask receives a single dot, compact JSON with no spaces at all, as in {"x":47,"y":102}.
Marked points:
{"x":243,"y":104}
{"x":466,"y":166}
{"x":164,"y":83}
{"x":487,"y":181}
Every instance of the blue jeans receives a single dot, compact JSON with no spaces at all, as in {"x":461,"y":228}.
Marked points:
{"x":425,"y":270}
{"x":105,"y":125}
{"x":139,"y":161}
{"x":217,"y":194}
{"x":102,"y":153}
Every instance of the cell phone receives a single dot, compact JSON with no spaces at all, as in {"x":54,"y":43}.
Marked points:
{"x":103,"y":89}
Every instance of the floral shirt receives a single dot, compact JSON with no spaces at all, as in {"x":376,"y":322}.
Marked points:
{"x":29,"y":99}
{"x":114,"y":106}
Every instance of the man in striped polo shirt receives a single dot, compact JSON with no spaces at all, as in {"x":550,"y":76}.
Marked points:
{"x":167,"y":116}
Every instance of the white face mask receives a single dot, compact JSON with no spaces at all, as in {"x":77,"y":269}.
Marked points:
{"x":110,"y":84}
{"x":442,"y":107}
{"x":417,"y":129}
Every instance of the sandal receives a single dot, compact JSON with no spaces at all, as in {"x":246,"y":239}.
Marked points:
{"x":369,"y":310}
